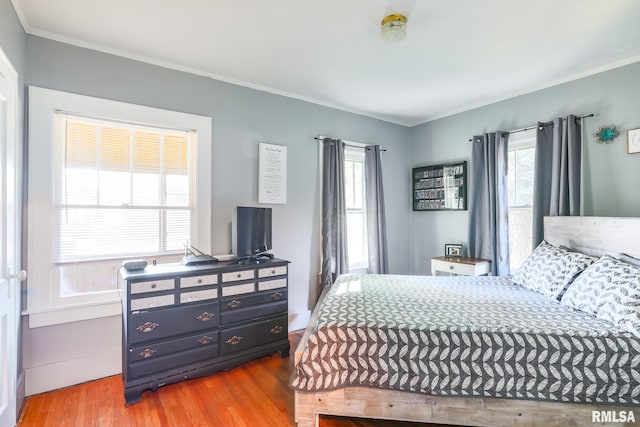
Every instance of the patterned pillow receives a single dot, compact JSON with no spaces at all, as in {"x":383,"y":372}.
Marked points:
{"x":549,"y":270}
{"x":626,"y":258}
{"x":610,"y":290}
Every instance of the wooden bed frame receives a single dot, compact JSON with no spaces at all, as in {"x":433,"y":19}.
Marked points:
{"x":591,"y":235}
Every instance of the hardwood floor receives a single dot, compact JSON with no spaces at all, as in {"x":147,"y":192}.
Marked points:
{"x":252,"y":395}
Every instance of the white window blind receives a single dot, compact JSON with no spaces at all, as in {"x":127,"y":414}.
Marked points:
{"x":520,"y":177}
{"x":355,"y":201}
{"x":120,"y":189}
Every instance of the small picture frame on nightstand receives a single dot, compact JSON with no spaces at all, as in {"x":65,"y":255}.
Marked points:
{"x":452,"y":250}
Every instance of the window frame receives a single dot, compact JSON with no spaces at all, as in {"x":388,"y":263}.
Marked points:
{"x":44,"y":304}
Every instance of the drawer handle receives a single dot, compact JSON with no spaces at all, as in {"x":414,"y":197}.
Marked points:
{"x":451,"y":267}
{"x":277,"y":295}
{"x":277,"y":329}
{"x":273,"y":272}
{"x":147,"y":327}
{"x":234,"y":303}
{"x":199,"y":281}
{"x":153,"y":286}
{"x":147,"y":352}
{"x":205,"y":340}
{"x":234,"y":340}
{"x":205,"y":317}
{"x":239,"y":275}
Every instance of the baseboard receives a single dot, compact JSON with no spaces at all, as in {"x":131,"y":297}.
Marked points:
{"x":40,"y":379}
{"x":20,"y":394}
{"x":299,"y":321}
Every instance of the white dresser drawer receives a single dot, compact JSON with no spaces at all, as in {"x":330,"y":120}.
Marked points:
{"x":272,"y":271}
{"x":245,"y":288}
{"x":272,"y":284}
{"x":452,"y":267}
{"x":189,"y":282}
{"x":152,"y":286}
{"x":468,"y":268}
{"x":198,"y":295}
{"x":151,"y":302}
{"x":237,"y":275}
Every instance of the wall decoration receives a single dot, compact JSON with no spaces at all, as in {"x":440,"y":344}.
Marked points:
{"x":606,"y":134}
{"x":440,"y":187}
{"x":272,"y":174}
{"x":633,"y":141}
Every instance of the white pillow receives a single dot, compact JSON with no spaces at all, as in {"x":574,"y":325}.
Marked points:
{"x":549,"y":270}
{"x":627,"y":258}
{"x":610,"y":290}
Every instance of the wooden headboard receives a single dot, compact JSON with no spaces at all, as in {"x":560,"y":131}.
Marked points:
{"x":594,"y":235}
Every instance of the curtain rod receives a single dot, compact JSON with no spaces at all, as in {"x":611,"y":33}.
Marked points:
{"x":533,"y":127}
{"x":353,"y":143}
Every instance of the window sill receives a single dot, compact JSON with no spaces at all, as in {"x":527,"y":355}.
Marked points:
{"x":60,"y":315}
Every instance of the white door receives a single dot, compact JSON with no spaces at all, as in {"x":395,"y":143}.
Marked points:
{"x":10,"y":181}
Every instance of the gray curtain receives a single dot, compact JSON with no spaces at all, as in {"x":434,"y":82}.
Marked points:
{"x":376,"y":221}
{"x":334,"y":214}
{"x":556,"y":185}
{"x":488,"y":201}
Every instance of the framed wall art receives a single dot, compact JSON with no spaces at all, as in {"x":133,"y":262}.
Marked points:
{"x":440,"y":187}
{"x":272,"y":173}
{"x":633,"y":141}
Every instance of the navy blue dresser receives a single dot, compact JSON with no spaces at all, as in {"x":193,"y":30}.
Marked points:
{"x":182,"y":322}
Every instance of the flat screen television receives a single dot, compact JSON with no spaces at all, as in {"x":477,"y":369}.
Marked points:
{"x":251,"y":233}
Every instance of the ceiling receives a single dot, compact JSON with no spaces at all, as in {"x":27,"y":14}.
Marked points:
{"x":458,"y":54}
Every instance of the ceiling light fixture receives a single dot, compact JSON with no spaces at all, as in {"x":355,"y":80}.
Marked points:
{"x":394,"y":28}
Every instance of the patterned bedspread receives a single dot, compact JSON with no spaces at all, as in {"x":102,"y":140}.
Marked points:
{"x":465,"y":336}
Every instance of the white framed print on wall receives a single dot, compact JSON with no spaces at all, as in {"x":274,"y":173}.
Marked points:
{"x":272,"y":173}
{"x":633,"y":141}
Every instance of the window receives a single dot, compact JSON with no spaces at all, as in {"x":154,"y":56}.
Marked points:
{"x":356,"y":209}
{"x":108,"y":181}
{"x":120,"y":191}
{"x":520,"y":172}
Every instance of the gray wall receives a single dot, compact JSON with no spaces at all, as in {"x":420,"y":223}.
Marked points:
{"x":13,"y":42}
{"x":610,"y":175}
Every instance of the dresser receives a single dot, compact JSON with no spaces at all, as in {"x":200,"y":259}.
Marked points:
{"x":182,"y":322}
{"x":460,"y":265}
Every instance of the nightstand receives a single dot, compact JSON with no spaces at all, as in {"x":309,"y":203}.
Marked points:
{"x":460,"y":266}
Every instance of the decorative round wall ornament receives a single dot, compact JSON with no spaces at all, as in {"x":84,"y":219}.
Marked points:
{"x":606,"y":134}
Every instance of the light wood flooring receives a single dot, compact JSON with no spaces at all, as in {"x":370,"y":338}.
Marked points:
{"x":252,"y":395}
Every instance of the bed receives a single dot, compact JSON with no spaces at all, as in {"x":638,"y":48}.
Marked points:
{"x":484,"y":352}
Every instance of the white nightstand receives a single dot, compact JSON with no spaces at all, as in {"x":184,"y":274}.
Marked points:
{"x":460,"y":265}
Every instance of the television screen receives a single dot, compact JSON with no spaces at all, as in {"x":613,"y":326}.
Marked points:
{"x":251,"y":231}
